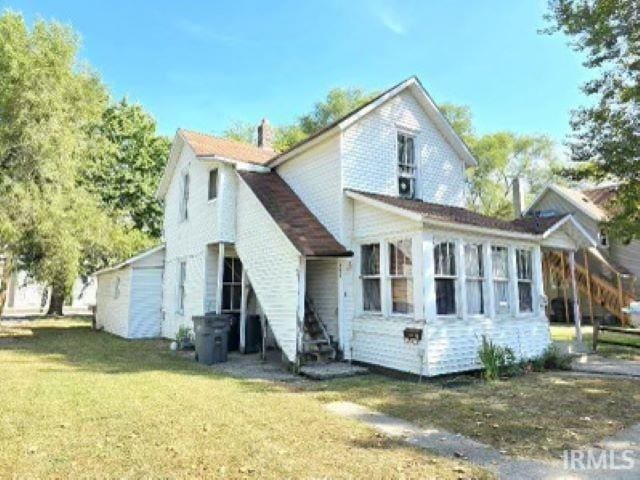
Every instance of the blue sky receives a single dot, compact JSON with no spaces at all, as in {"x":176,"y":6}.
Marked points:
{"x":202,"y":65}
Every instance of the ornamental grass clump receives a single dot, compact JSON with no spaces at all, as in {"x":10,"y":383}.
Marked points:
{"x":497,"y":361}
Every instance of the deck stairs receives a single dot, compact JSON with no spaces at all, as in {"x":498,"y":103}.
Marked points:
{"x":613,"y":297}
{"x":317,"y":343}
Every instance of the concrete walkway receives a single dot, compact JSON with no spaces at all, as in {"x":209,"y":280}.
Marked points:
{"x":459,"y":446}
{"x":606,"y":366}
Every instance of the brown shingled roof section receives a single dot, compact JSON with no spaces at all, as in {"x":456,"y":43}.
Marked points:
{"x":295,"y":220}
{"x":601,"y":196}
{"x":445,"y":213}
{"x":208,"y":145}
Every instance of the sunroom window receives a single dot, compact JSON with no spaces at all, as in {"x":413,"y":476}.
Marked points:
{"x":525,"y":280}
{"x":500,"y":262}
{"x":370,"y":275}
{"x":400,"y":274}
{"x":474,"y":270}
{"x":444,"y":256}
{"x":406,"y":166}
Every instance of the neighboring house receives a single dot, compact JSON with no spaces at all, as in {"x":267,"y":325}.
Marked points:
{"x":129,"y":299}
{"x":613,"y":266}
{"x":354,"y":243}
{"x":25,"y":296}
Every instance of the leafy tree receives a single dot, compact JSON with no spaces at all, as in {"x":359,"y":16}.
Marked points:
{"x":338,"y":103}
{"x":605,"y":138}
{"x":124,"y":166}
{"x":49,"y":224}
{"x":502,"y":156}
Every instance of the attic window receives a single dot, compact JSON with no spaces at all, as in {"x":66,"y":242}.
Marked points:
{"x":406,"y":165}
{"x":604,"y":239}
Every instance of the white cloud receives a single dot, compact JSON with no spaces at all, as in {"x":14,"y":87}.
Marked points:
{"x":388,"y":16}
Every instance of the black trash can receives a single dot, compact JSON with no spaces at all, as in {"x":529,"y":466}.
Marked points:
{"x":212,"y":333}
{"x":252,"y":334}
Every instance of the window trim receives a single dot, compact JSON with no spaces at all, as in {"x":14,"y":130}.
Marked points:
{"x":181,"y":294}
{"x":508,"y":280}
{"x":390,"y":277}
{"x":456,"y":278}
{"x":519,"y":280}
{"x":215,"y":197}
{"x":482,"y":279}
{"x":399,"y":173}
{"x":369,"y":276}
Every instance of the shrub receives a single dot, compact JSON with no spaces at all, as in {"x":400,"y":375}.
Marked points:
{"x":183,"y":334}
{"x":497,"y":361}
{"x":554,"y":359}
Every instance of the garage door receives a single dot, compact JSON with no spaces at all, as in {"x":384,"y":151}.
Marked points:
{"x":146,"y":303}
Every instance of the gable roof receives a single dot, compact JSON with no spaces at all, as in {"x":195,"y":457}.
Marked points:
{"x":132,"y":260}
{"x":209,"y":146}
{"x":302,"y":228}
{"x":602,"y":196}
{"x":437,"y":213}
{"x":578,"y":199}
{"x":424,"y":99}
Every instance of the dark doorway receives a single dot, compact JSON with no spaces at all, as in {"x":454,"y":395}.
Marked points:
{"x":232,"y":297}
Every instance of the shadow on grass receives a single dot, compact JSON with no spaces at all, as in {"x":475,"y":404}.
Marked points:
{"x":75,"y":344}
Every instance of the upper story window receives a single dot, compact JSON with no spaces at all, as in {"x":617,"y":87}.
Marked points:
{"x":116,"y":288}
{"x":474,"y":270}
{"x":213,"y":184}
{"x":604,"y":239}
{"x":401,"y":276}
{"x":500,"y":264}
{"x":184,"y":201}
{"x":444,"y":257}
{"x":524,"y":264}
{"x":370,"y":275}
{"x":406,"y":166}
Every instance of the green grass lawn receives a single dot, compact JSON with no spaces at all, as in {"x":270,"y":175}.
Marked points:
{"x":77,"y":403}
{"x":611,"y":345}
{"x":537,"y":415}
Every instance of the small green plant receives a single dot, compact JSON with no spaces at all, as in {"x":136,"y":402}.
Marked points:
{"x":554,"y":359}
{"x":497,"y":361}
{"x":184,"y":335}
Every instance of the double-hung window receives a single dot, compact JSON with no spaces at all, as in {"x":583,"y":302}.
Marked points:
{"x":213,"y":184}
{"x":500,"y":263}
{"x":184,"y":201}
{"x":400,"y":275}
{"x":474,"y":270}
{"x":182,"y":292}
{"x":444,"y":256}
{"x":231,"y":285}
{"x":406,"y":166}
{"x":525,"y":280}
{"x":370,"y":275}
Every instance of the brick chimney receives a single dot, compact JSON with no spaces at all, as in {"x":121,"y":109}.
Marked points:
{"x":265,"y":135}
{"x":518,"y":197}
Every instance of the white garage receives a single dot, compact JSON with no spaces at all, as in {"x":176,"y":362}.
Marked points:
{"x":129,"y":296}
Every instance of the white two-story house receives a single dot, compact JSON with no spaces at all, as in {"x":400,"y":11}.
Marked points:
{"x":355,"y":241}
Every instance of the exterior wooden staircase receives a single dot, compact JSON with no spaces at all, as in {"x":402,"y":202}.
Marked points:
{"x":612,"y":298}
{"x":317,"y":344}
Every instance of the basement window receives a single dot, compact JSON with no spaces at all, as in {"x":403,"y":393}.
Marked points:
{"x":370,"y":275}
{"x":406,"y":166}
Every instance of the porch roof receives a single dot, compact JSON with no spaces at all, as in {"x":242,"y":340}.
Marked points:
{"x":302,"y":228}
{"x":456,"y":215}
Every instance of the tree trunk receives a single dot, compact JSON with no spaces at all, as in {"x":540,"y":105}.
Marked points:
{"x":5,"y":277}
{"x":56,"y":302}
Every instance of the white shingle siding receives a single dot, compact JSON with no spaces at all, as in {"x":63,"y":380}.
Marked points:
{"x":112,"y":312}
{"x":272,"y":265}
{"x":209,"y":221}
{"x":315,"y":177}
{"x":322,"y":287}
{"x":370,"y":160}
